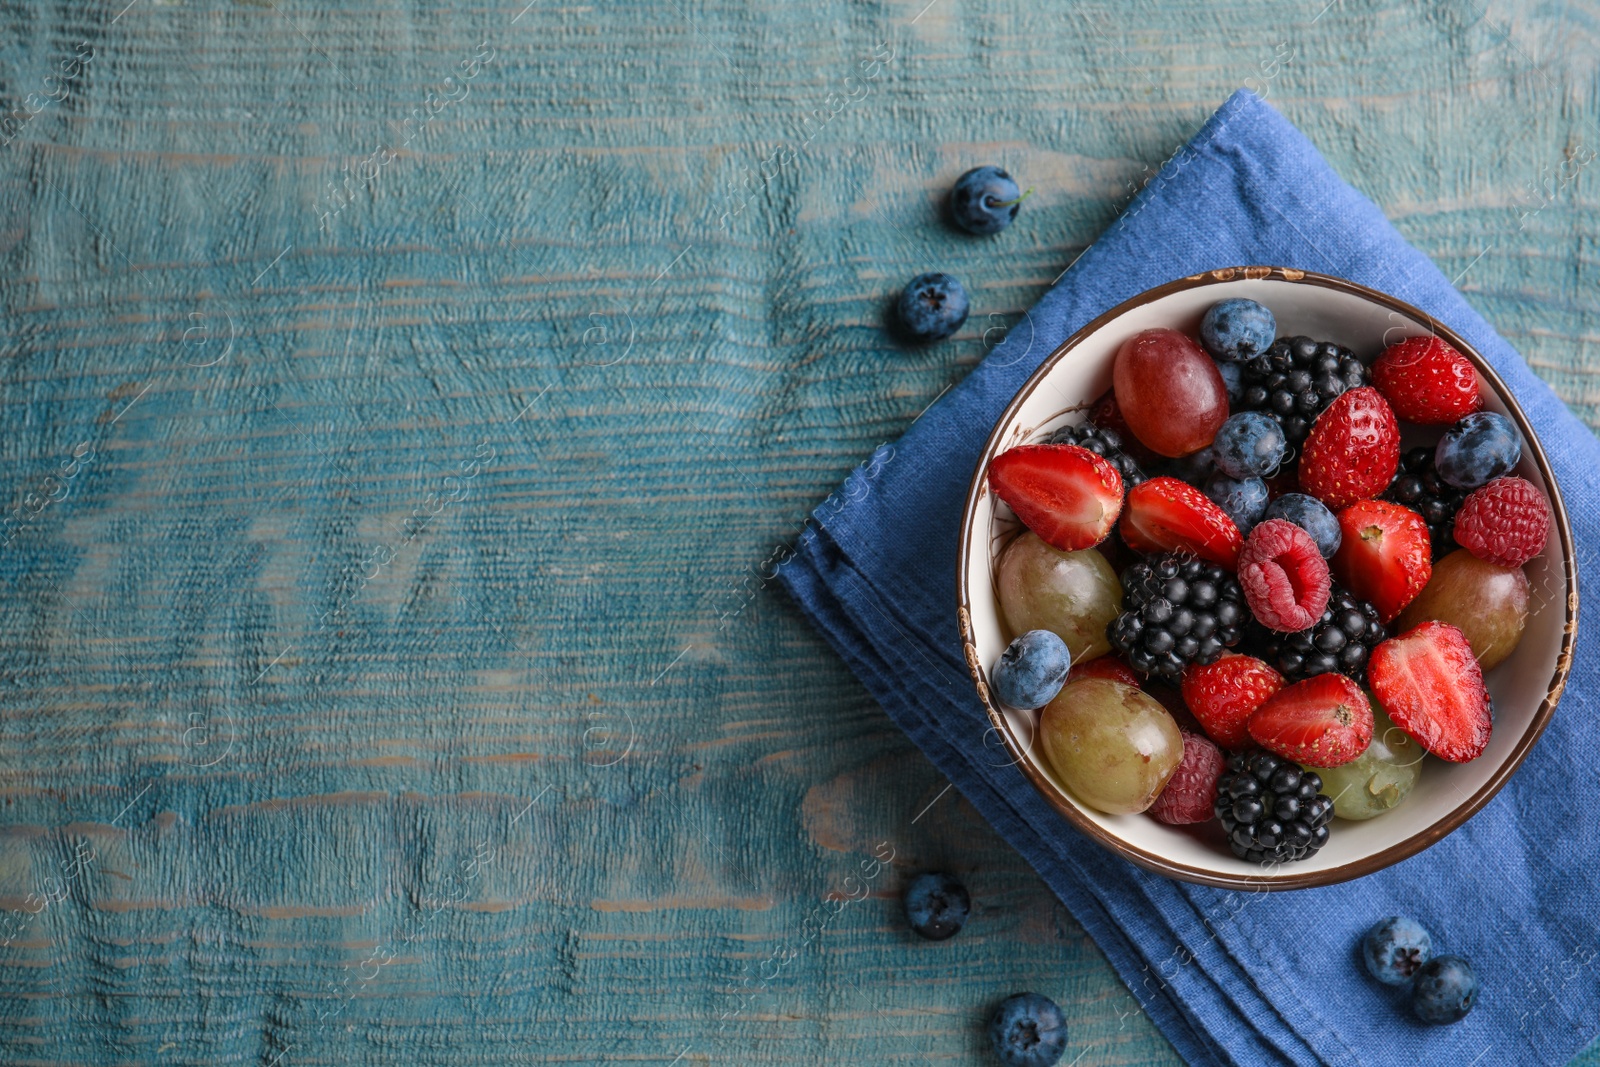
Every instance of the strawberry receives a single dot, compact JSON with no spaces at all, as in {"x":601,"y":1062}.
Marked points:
{"x":1111,"y":668}
{"x":1323,"y":721}
{"x":1067,"y":495}
{"x":1431,"y":685}
{"x":1166,"y":515}
{"x":1505,"y":522}
{"x":1353,"y":449}
{"x":1384,"y":555}
{"x":1222,"y":696}
{"x":1426,"y":380}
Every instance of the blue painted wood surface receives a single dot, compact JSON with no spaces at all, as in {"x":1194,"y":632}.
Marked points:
{"x":405,"y":403}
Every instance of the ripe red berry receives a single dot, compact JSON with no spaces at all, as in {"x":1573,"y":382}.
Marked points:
{"x":1353,"y":449}
{"x":1190,"y":795}
{"x":1284,"y":577}
{"x":1166,"y":515}
{"x":1505,"y":522}
{"x":1111,"y":668}
{"x":1323,"y":721}
{"x":1067,"y":495}
{"x":1222,"y":696}
{"x":1384,"y":555}
{"x":1431,"y":685}
{"x":1426,"y":380}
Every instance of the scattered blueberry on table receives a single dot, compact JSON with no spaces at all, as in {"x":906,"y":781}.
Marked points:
{"x":1477,"y":450}
{"x":1444,"y":990}
{"x":932,"y":307}
{"x":1032,"y":670}
{"x":1237,"y":329}
{"x":1395,"y":949}
{"x":985,"y":200}
{"x":1028,"y":1030}
{"x":937,"y":905}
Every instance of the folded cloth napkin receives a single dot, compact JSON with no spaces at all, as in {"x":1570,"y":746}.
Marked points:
{"x":1233,"y":977}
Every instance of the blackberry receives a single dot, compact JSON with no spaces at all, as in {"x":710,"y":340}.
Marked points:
{"x":1272,"y":810}
{"x":1177,"y":610}
{"x":1296,"y":379}
{"x":1102,"y":442}
{"x":1337,"y":643}
{"x":1418,"y":486}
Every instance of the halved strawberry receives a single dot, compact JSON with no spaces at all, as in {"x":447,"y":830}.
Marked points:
{"x":1166,"y":515}
{"x":1430,"y":683}
{"x":1111,"y":668}
{"x":1384,"y":556}
{"x":1324,"y":721}
{"x":1224,"y":694}
{"x":1067,"y":495}
{"x":1353,"y":449}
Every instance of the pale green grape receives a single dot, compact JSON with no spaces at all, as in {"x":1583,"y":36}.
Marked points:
{"x":1111,"y":744}
{"x":1380,"y":778}
{"x":1074,"y":595}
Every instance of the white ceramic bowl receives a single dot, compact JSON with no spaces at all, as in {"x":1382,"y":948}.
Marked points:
{"x":1525,"y":688}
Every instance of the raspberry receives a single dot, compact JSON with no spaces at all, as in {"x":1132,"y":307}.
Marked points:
{"x":1427,"y":381}
{"x":1284,"y":577}
{"x":1506,"y":522}
{"x":1191,"y":793}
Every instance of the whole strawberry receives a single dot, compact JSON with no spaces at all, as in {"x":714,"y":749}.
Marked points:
{"x":1425,"y":380}
{"x":1353,"y":449}
{"x":1190,"y":794}
{"x":1506,"y":522}
{"x":1324,"y":721}
{"x":1223,"y":695}
{"x":1384,"y":555}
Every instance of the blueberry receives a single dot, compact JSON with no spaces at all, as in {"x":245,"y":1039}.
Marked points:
{"x":1031,"y":670}
{"x":1243,"y":499}
{"x":1232,"y":381}
{"x":1028,"y":1030}
{"x":985,"y":200}
{"x":932,"y":307}
{"x":1477,"y":450}
{"x":1395,"y":949}
{"x":937,"y":905}
{"x":1312,"y":516}
{"x":1249,"y":445}
{"x":1237,"y":329}
{"x":1194,"y":468}
{"x":1444,"y":990}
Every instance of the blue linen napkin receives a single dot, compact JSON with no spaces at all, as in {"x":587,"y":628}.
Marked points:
{"x":1235,"y":977}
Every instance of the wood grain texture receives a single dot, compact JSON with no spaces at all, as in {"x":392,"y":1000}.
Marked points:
{"x":396,"y":466}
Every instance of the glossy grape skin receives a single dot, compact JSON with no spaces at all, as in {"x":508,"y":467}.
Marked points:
{"x":1380,"y":778}
{"x":1114,"y":746}
{"x":1074,"y":595}
{"x":1169,"y":391}
{"x":1487,"y":602}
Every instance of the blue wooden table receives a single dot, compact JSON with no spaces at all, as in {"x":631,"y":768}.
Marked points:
{"x":406,"y":403}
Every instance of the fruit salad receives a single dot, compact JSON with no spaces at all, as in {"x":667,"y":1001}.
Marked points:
{"x":1237,"y":605}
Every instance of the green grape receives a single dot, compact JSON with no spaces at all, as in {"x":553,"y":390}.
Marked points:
{"x":1486,"y":602}
{"x":1111,"y":744}
{"x":1074,"y":595}
{"x":1380,"y":778}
